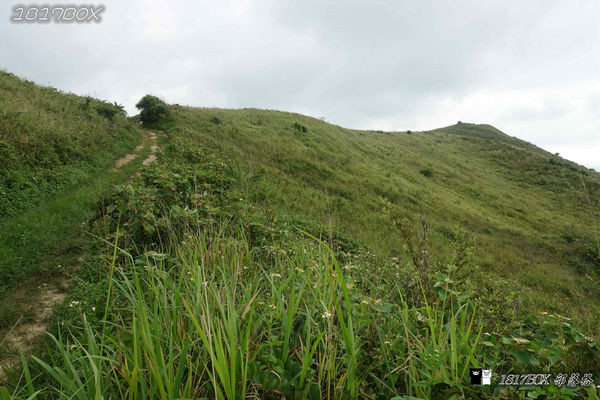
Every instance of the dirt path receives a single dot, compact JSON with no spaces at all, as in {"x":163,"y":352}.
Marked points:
{"x":38,"y":299}
{"x":150,"y":137}
{"x":22,"y":337}
{"x":153,"y":149}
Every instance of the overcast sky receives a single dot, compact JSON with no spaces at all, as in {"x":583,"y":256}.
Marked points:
{"x":530,"y":68}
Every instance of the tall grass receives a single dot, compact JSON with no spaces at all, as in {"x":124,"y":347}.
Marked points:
{"x":514,"y":197}
{"x":230,"y":304}
{"x":217,"y":324}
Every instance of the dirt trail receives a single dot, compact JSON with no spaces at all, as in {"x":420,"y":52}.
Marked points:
{"x":42,"y":299}
{"x":25,"y":333}
{"x":148,"y":136}
{"x":153,"y":149}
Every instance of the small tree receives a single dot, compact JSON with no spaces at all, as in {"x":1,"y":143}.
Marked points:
{"x":152,"y":109}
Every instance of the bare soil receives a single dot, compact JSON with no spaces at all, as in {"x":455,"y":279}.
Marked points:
{"x":22,"y":337}
{"x":153,"y":149}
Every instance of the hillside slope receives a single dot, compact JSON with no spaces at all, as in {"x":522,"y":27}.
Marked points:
{"x":269,"y":255}
{"x":54,"y":149}
{"x":533,"y":215}
{"x":50,"y":140}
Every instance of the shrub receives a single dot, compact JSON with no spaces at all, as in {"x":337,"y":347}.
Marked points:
{"x":448,"y":233}
{"x":300,"y":127}
{"x":87,"y":103}
{"x":427,"y":172}
{"x":152,"y":109}
{"x":109,"y":110}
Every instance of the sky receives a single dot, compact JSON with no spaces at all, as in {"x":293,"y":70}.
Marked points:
{"x":530,"y":68}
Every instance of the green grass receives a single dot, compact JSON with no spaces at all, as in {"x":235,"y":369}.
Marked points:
{"x":196,"y":331}
{"x":517,"y":200}
{"x":193,"y":291}
{"x":55,"y":148}
{"x":48,"y":240}
{"x":50,"y":140}
{"x":272,"y":255}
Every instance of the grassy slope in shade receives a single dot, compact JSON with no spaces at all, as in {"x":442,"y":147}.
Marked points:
{"x":50,"y":140}
{"x":534,"y":215}
{"x":54,"y":149}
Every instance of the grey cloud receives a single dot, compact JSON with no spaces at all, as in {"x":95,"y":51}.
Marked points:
{"x":545,"y":111}
{"x":532,"y":68}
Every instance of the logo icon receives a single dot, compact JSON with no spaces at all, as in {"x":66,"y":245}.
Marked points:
{"x":475,"y":375}
{"x":486,"y":376}
{"x":480,"y":376}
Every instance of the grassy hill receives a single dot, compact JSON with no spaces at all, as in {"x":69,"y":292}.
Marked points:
{"x":530,"y":212}
{"x":274,"y":255}
{"x":50,"y":139}
{"x":54,"y":150}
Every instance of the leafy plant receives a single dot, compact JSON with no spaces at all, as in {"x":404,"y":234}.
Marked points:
{"x":152,"y":109}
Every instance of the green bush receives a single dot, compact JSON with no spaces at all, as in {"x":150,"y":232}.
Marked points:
{"x":427,"y":172}
{"x":300,"y":127}
{"x":109,"y":110}
{"x":152,"y":109}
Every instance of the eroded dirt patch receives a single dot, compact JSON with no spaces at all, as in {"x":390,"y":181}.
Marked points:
{"x":153,"y":149}
{"x":23,"y":336}
{"x":126,"y":159}
{"x":150,"y":137}
{"x":123,"y":161}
